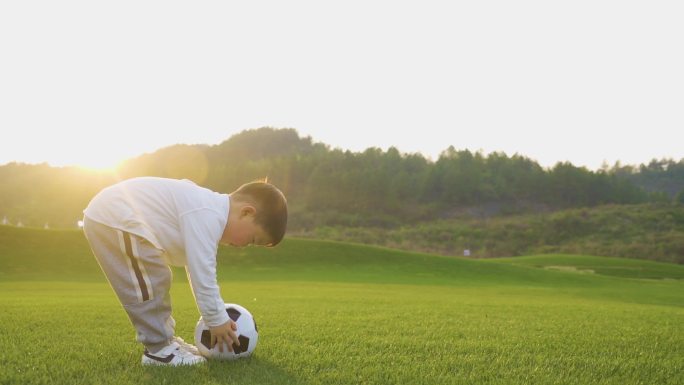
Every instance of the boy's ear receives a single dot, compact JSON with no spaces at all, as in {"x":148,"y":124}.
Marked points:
{"x":247,"y":210}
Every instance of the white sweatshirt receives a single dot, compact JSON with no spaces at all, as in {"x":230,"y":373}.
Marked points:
{"x":180,"y":218}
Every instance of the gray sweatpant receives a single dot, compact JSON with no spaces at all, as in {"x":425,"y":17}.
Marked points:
{"x":141,"y":279}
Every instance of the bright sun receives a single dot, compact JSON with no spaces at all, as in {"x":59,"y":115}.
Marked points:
{"x":94,"y":162}
{"x":98,"y":168}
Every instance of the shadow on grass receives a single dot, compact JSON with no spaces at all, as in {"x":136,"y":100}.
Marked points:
{"x":252,"y":370}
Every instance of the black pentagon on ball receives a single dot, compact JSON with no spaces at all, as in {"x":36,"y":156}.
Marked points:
{"x":244,"y":344}
{"x":233,"y":313}
{"x":206,"y":339}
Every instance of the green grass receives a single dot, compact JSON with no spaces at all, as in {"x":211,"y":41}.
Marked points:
{"x":335,"y":313}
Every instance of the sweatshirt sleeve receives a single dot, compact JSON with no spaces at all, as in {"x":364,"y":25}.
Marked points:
{"x":202,"y":230}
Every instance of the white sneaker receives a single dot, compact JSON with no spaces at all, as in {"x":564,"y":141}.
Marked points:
{"x":172,"y":355}
{"x":186,"y":346}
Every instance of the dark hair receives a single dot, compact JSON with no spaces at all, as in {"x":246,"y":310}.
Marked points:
{"x":270,"y":204}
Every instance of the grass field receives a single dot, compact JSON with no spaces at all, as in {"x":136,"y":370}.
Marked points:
{"x":335,"y":313}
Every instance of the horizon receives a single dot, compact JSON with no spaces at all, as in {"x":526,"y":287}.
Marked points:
{"x":588,"y":82}
{"x":113,"y":167}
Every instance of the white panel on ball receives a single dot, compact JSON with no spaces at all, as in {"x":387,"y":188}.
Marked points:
{"x":247,"y":333}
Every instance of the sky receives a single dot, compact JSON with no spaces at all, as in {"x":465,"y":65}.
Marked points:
{"x":92,"y":83}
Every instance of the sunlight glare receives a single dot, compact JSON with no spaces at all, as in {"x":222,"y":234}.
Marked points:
{"x":102,"y":163}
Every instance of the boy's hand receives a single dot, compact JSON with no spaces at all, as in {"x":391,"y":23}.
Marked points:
{"x":224,"y":334}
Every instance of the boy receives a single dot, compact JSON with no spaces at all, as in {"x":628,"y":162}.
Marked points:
{"x":138,"y":227}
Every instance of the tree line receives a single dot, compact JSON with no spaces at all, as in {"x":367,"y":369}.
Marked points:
{"x":329,"y":186}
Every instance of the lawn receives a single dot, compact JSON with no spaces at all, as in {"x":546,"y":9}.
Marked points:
{"x":341,"y":313}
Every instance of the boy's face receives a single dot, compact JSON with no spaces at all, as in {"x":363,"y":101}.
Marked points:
{"x":244,"y":231}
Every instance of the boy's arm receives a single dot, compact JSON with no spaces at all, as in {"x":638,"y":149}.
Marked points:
{"x":202,"y":229}
{"x":200,"y":232}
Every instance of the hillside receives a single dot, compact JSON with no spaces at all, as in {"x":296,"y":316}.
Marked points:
{"x":33,"y":254}
{"x":585,"y":264}
{"x":654,"y":232}
{"x":494,"y":205}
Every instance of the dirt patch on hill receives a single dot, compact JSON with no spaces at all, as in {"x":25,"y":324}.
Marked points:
{"x":571,"y":269}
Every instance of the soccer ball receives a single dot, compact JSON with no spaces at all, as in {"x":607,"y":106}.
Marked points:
{"x":246,"y":331}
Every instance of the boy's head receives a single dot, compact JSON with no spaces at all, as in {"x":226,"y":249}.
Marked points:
{"x":263,"y":205}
